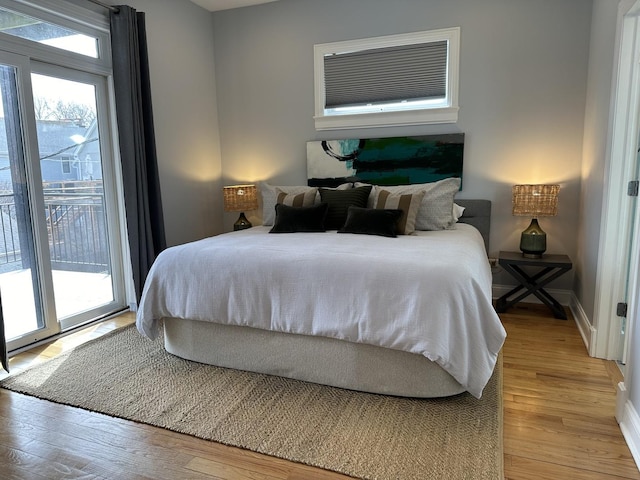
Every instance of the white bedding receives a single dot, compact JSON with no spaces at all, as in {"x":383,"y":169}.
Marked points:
{"x":428,"y":293}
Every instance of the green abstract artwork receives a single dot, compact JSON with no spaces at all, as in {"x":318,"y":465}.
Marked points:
{"x":385,"y":161}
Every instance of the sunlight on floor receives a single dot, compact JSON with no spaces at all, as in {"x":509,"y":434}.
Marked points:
{"x":74,"y":292}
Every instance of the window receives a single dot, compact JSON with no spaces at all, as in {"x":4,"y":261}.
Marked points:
{"x":407,"y":79}
{"x":66,"y":165}
{"x":29,"y":28}
{"x":56,"y":32}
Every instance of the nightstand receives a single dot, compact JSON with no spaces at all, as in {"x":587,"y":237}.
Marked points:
{"x":549,"y":268}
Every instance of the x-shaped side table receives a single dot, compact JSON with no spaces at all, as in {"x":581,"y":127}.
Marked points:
{"x":552,"y":267}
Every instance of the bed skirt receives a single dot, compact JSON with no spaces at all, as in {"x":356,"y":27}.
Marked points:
{"x":320,"y":360}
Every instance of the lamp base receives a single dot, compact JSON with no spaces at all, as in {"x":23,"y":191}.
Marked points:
{"x":533,"y":240}
{"x":242,"y":223}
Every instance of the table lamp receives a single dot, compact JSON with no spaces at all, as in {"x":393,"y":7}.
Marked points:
{"x":534,"y":201}
{"x":240,"y":198}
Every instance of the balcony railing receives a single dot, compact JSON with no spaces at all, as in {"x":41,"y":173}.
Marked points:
{"x":76,"y":229}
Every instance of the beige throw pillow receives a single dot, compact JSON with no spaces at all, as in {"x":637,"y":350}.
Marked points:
{"x":407,"y":202}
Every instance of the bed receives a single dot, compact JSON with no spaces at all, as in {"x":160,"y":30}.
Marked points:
{"x":409,"y":316}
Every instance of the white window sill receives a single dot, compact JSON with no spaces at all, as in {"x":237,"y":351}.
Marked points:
{"x":387,"y":119}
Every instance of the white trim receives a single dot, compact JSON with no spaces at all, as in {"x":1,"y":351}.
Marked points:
{"x":622,"y":397}
{"x":425,"y":116}
{"x":61,"y":13}
{"x":129,"y":284}
{"x":615,"y":235}
{"x":387,"y":119}
{"x":35,"y":203}
{"x":630,"y":427}
{"x":74,"y":14}
{"x":586,"y":329}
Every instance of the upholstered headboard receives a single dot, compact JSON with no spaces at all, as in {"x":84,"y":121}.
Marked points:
{"x":478,"y":214}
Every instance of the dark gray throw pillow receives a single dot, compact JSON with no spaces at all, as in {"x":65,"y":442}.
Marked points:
{"x":339,"y":202}
{"x":372,"y":221}
{"x":299,"y":219}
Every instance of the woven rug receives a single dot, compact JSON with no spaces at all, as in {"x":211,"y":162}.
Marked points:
{"x":123,"y":374}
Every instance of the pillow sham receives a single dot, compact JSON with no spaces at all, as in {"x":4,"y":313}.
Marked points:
{"x":407,"y":203}
{"x":299,"y":219}
{"x":457,"y":212}
{"x":268,"y":197}
{"x":369,"y":221}
{"x":436,"y":210}
{"x":339,"y":202}
{"x":305,"y":199}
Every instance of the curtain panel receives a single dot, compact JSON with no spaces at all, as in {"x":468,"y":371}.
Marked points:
{"x":3,"y":344}
{"x":143,"y":202}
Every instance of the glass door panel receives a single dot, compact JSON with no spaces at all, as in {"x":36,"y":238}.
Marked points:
{"x":74,"y":195}
{"x":21,"y":277}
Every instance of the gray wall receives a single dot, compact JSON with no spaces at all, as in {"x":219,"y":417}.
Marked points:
{"x":183,"y":90}
{"x":523,"y":73}
{"x":523,"y":70}
{"x":596,"y":139}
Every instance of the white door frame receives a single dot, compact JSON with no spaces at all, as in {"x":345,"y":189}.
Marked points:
{"x":617,"y":209}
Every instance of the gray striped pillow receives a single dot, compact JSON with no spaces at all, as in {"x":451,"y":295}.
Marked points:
{"x":304,"y":199}
{"x":409,"y":203}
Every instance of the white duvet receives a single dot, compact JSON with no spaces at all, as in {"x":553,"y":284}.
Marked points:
{"x":428,"y":293}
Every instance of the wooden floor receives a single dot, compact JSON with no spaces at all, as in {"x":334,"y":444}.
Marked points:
{"x":558,"y":422}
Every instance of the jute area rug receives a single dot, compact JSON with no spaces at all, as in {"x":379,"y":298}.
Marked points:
{"x":125,"y":375}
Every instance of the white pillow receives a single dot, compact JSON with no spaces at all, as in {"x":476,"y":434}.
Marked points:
{"x":457,"y":211}
{"x":436,"y":210}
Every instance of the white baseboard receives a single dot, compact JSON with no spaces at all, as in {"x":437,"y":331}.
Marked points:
{"x":630,"y":427}
{"x":587,"y":331}
{"x":622,"y":396}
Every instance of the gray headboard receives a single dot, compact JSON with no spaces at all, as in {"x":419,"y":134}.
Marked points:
{"x":478,"y":214}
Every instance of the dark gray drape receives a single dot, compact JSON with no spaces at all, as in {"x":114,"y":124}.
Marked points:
{"x":143,"y":202}
{"x":3,"y":343}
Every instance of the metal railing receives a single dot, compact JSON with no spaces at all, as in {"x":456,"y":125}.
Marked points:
{"x":77,"y":234}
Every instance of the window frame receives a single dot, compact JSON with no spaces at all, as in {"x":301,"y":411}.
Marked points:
{"x":65,"y":162}
{"x":66,"y":15}
{"x":389,"y":118}
{"x":31,"y":57}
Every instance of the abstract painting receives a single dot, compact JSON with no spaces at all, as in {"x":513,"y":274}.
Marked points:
{"x":385,"y":161}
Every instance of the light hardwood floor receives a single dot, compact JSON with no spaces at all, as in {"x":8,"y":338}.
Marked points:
{"x":558,"y":421}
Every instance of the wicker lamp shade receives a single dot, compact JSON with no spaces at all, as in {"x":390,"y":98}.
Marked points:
{"x":240,"y":198}
{"x":535,"y":200}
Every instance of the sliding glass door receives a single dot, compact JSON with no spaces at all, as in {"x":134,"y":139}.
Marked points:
{"x":60,"y":256}
{"x":23,"y":270}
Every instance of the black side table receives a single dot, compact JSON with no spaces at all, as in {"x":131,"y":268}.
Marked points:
{"x":551,"y":267}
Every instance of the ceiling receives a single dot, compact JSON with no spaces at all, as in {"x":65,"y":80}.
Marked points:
{"x":215,"y":5}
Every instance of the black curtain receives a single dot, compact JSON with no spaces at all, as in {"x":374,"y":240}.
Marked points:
{"x":143,"y":204}
{"x":3,"y":342}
